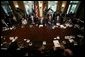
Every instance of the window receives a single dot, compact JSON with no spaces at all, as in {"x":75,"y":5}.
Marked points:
{"x":6,"y":7}
{"x":52,"y":5}
{"x":68,"y":9}
{"x":73,"y":6}
{"x":29,"y":6}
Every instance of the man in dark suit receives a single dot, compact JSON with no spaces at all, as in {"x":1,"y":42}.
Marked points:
{"x":41,"y":21}
{"x":31,"y":19}
{"x":57,"y":18}
{"x":49,"y":20}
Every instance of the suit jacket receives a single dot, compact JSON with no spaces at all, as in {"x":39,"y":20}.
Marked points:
{"x":30,"y":21}
{"x":42,"y":22}
{"x":58,"y":19}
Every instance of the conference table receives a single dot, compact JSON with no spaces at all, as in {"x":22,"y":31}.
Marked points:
{"x":37,"y":34}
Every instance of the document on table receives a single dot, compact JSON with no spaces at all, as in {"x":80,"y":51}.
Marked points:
{"x":71,"y":40}
{"x":44,"y":42}
{"x":56,"y":43}
{"x":40,"y":26}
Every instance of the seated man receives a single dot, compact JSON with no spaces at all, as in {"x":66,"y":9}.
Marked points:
{"x":24,"y":22}
{"x":49,"y":20}
{"x":31,"y":19}
{"x":57,"y":20}
{"x":36,"y":20}
{"x":41,"y":21}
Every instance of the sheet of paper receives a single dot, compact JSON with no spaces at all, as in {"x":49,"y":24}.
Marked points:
{"x":58,"y":37}
{"x":44,"y":42}
{"x":28,"y":41}
{"x":56,"y":43}
{"x":40,"y":26}
{"x":71,"y":40}
{"x":11,"y":38}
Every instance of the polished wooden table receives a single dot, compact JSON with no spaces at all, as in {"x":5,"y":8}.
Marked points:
{"x":38,"y":35}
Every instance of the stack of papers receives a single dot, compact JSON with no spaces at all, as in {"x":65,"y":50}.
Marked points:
{"x":25,"y":39}
{"x":68,"y":25}
{"x":53,"y":27}
{"x":58,"y":24}
{"x":40,"y":26}
{"x":67,"y":37}
{"x":44,"y":42}
{"x":11,"y":28}
{"x":5,"y":28}
{"x":56,"y":43}
{"x":24,"y":22}
{"x":16,"y":37}
{"x":55,"y":38}
{"x":13,"y":38}
{"x":61,"y":26}
{"x":58,"y":37}
{"x":71,"y":36}
{"x":28,"y":41}
{"x":71,"y":40}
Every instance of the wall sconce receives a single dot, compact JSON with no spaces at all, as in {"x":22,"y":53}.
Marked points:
{"x":16,"y":6}
{"x":63,"y":5}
